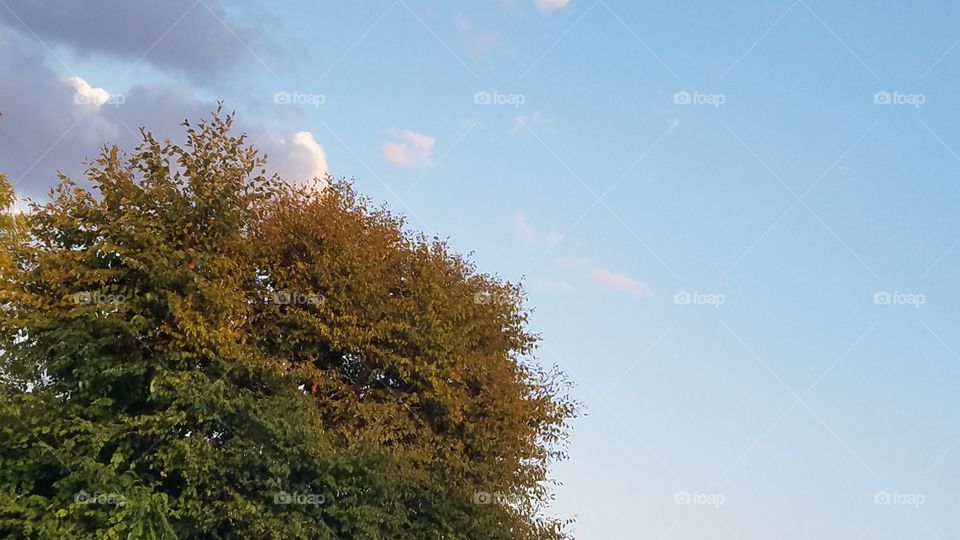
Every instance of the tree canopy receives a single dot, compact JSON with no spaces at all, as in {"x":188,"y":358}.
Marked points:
{"x":190,"y":348}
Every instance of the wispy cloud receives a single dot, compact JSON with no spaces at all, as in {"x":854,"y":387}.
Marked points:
{"x":604,"y":277}
{"x":408,"y":147}
{"x":621,"y":282}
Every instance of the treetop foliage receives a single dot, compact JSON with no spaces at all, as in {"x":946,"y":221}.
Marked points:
{"x":193,"y":349}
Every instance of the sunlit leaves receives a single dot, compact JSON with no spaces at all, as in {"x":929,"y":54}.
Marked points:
{"x":193,"y":338}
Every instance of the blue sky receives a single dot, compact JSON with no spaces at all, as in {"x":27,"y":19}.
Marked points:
{"x":737,"y":222}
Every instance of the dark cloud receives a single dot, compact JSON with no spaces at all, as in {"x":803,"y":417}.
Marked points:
{"x":57,"y":121}
{"x":52,"y":122}
{"x":41,"y":125}
{"x":189,"y":36}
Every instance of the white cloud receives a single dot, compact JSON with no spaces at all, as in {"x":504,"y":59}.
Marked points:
{"x":84,"y":94}
{"x":615,"y":280}
{"x":550,"y":5}
{"x":408,"y":147}
{"x":582,"y":268}
{"x":315,"y":154}
{"x":298,"y":158}
{"x":396,"y":153}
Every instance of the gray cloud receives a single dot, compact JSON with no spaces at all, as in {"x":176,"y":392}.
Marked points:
{"x":57,"y":121}
{"x":49,"y":125}
{"x":41,"y":124}
{"x":188,"y":36}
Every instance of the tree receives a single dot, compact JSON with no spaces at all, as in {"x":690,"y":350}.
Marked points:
{"x":10,"y":225}
{"x":197,"y":350}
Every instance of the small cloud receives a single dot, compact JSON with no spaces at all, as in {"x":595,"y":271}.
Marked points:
{"x":396,"y":153}
{"x":528,"y":235}
{"x":313,"y":153}
{"x":408,"y":147}
{"x":85,"y":94}
{"x":298,"y":158}
{"x":582,"y":268}
{"x":614,"y":280}
{"x":550,"y":5}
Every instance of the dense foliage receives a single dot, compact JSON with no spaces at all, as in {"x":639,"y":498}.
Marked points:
{"x":192,"y":349}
